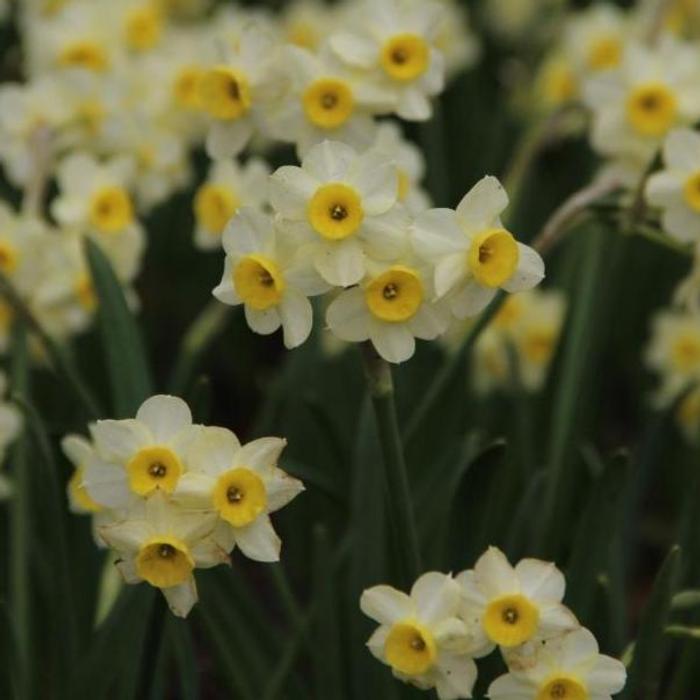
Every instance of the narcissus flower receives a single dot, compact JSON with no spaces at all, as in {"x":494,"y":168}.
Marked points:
{"x":397,"y":41}
{"x":421,"y":636}
{"x":565,"y":668}
{"x":344,"y":205}
{"x":139,"y":457}
{"x":637,"y":104}
{"x":676,"y":189}
{"x":474,"y":255}
{"x":271,"y":275}
{"x":162,"y":544}
{"x":229,"y":186}
{"x":514,"y":605}
{"x":392,"y":307}
{"x":242,"y":485}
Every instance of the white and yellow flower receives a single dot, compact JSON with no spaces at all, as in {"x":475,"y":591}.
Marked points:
{"x":421,"y":636}
{"x":676,"y":189}
{"x":95,"y":198}
{"x":271,"y":275}
{"x":308,"y":23}
{"x":473,"y":254}
{"x":511,"y":606}
{"x":325,"y":100}
{"x":242,"y":485}
{"x":569,"y":667}
{"x":391,"y":307}
{"x":163,"y":544}
{"x":142,"y":456}
{"x":234,"y":92}
{"x":636,"y":105}
{"x":344,"y":204}
{"x":230,"y":185}
{"x":397,"y":42}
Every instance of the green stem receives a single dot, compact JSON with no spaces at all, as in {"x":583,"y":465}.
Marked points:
{"x":399,"y":500}
{"x":448,"y":372}
{"x":151,"y":645}
{"x":20,"y":517}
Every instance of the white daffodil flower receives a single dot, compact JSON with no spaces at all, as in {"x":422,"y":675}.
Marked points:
{"x":421,"y":636}
{"x":514,"y":605}
{"x":139,"y":457}
{"x":308,"y":23}
{"x":473,"y":254}
{"x":392,"y":307}
{"x":397,"y":42}
{"x":344,"y":204}
{"x":234,"y":91}
{"x":95,"y":198}
{"x":676,"y":189}
{"x":409,"y":162}
{"x":272,"y":276}
{"x":230,"y":185}
{"x":242,"y":485}
{"x":637,"y":104}
{"x":325,"y":100}
{"x":568,"y":667}
{"x":163,"y":544}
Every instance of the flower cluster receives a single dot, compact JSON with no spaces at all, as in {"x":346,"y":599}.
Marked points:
{"x":338,"y":223}
{"x":170,"y":496}
{"x":431,"y":637}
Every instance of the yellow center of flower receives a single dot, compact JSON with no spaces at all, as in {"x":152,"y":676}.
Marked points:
{"x":689,"y":410}
{"x":85,"y":292}
{"x":240,"y":496}
{"x":691,"y":191}
{"x":510,"y":313}
{"x":144,"y":27}
{"x":259,"y":282}
{"x":164,"y":562}
{"x":84,"y":54}
{"x":559,"y":83}
{"x":538,"y":345}
{"x":224,"y":92}
{"x":185,"y":87}
{"x":510,"y":620}
{"x":111,"y":210}
{"x":605,"y":53}
{"x":328,"y":103}
{"x":396,"y":295}
{"x":404,"y":183}
{"x":9,"y":257}
{"x":652,"y":109}
{"x":214,"y":206}
{"x":80,"y":495}
{"x":685,"y":353}
{"x":91,"y":115}
{"x":405,"y":57}
{"x":303,"y":34}
{"x":410,"y":648}
{"x":153,"y":468}
{"x":493,"y":257}
{"x":335,"y":211}
{"x":6,"y":316}
{"x":563,"y":688}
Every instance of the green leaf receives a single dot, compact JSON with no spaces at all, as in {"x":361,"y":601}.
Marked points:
{"x":644,"y":677}
{"x":686,"y":600}
{"x":127,"y":366}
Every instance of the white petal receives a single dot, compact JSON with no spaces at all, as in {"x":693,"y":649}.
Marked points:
{"x":541,"y":580}
{"x":354,"y":49}
{"x":212,"y":452}
{"x":374,"y":176}
{"x":470,"y":300}
{"x":207,"y":553}
{"x":608,"y":676}
{"x":682,"y":150}
{"x":127,"y":569}
{"x":281,"y":489}
{"x":181,"y":598}
{"x":290,"y":190}
{"x":227,"y":139}
{"x":529,"y":273}
{"x":452,"y":634}
{"x":386,"y":236}
{"x":165,"y":416}
{"x":555,"y":619}
{"x":393,"y":341}
{"x":494,"y":575}
{"x":119,"y":440}
{"x":436,"y":232}
{"x":414,"y":106}
{"x":510,"y":687}
{"x":194,"y":490}
{"x":263,"y":322}
{"x":449,"y":272}
{"x":225,"y":292}
{"x":482,"y":205}
{"x":457,"y":676}
{"x":78,"y":449}
{"x":329,"y":161}
{"x":258,"y":540}
{"x":347,"y":316}
{"x":260,"y":454}
{"x":297,"y":318}
{"x":430,"y":321}
{"x":386,"y":605}
{"x":106,"y":484}
{"x":436,"y":596}
{"x":377,"y":642}
{"x":127,"y":536}
{"x":682,"y":223}
{"x":341,"y":264}
{"x":664,"y":189}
